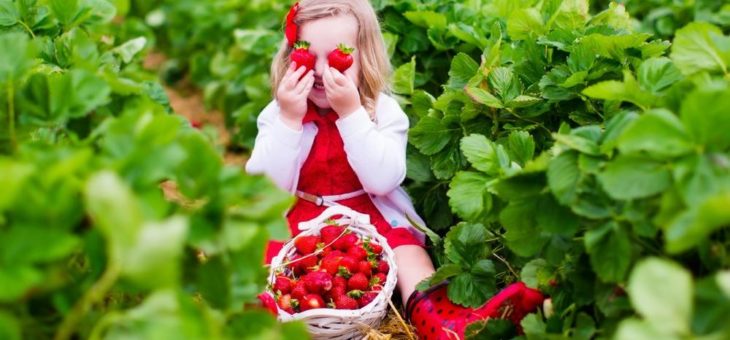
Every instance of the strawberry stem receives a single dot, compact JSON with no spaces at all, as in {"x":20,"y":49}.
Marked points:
{"x":345,"y":49}
{"x":301,"y":44}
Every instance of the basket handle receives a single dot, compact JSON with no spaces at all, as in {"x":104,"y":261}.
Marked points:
{"x":355,"y":217}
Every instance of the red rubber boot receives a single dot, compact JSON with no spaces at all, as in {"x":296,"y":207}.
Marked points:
{"x":437,"y":318}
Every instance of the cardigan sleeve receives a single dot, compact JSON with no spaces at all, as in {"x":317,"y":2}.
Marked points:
{"x":377,"y":153}
{"x":276,"y":149}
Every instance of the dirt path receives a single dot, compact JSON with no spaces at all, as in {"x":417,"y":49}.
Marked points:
{"x":188,"y":101}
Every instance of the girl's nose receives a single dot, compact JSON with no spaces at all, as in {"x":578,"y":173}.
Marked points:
{"x":320,"y":66}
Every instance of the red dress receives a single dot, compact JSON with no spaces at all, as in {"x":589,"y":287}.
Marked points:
{"x":326,"y":172}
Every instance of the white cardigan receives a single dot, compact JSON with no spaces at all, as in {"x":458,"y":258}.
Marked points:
{"x":375,"y":151}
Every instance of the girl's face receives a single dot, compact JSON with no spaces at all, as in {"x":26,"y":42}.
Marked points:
{"x":324,"y":35}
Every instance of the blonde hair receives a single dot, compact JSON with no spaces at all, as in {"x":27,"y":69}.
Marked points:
{"x":375,"y":68}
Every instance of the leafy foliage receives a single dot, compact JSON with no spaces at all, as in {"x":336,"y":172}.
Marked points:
{"x":117,"y":219}
{"x":580,"y":143}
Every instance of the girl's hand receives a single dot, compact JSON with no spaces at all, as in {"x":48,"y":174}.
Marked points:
{"x":292,"y":95}
{"x":341,"y":92}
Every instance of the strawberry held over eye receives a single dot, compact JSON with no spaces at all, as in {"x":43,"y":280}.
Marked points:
{"x":341,"y":57}
{"x":302,"y":57}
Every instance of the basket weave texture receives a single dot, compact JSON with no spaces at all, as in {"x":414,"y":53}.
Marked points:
{"x":336,"y":324}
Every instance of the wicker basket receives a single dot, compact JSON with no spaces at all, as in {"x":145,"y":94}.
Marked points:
{"x":335,"y":324}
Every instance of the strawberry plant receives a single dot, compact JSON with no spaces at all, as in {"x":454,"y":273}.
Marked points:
{"x":560,"y":148}
{"x":117,"y":218}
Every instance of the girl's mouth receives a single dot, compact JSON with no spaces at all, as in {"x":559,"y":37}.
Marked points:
{"x":318,"y":85}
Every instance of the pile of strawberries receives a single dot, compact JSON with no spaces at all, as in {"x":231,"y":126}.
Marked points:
{"x":336,"y":269}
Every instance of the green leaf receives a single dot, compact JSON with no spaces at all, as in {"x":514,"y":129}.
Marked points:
{"x":164,"y":311}
{"x":658,"y":132}
{"x":698,"y":47}
{"x":15,"y":281}
{"x":468,"y":195}
{"x":130,"y":48}
{"x":525,"y":23}
{"x":469,"y":290}
{"x":693,"y":226}
{"x":14,"y":176}
{"x":521,"y":146}
{"x":626,"y":91}
{"x":422,"y":102}
{"x":463,"y":68}
{"x":426,"y":19}
{"x":533,"y":326}
{"x":523,"y":101}
{"x":704,"y":114}
{"x":418,"y":167}
{"x":504,"y":83}
{"x":154,"y":260}
{"x":481,"y":153}
{"x":656,"y":74}
{"x":609,"y":248}
{"x":554,"y":218}
{"x":9,"y":15}
{"x":114,"y":210}
{"x":443,"y":273}
{"x":563,"y":175}
{"x":661,"y":292}
{"x":430,"y":135}
{"x":633,"y":177}
{"x":483,"y":97}
{"x":537,"y":273}
{"x":523,"y":236}
{"x":9,"y":327}
{"x":30,"y":244}
{"x":636,"y":329}
{"x":491,"y":329}
{"x":404,"y":77}
{"x":579,"y":143}
{"x":17,"y":56}
{"x":466,"y":243}
{"x":65,"y":10}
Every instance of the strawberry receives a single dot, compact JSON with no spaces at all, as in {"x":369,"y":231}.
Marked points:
{"x":196,"y":123}
{"x":367,"y":298}
{"x":286,"y":303}
{"x":339,"y":281}
{"x":302,"y":57}
{"x":357,"y":252}
{"x":345,"y":302}
{"x":365,"y":267}
{"x":317,"y":282}
{"x":378,"y":279}
{"x":358,"y":281}
{"x":282,"y":284}
{"x":330,"y":233}
{"x":299,"y":290}
{"x":267,"y":301}
{"x":346,"y":242}
{"x":311,"y":301}
{"x":306,"y":244}
{"x":383,"y":267}
{"x":341,"y":57}
{"x":349,"y":263}
{"x":337,"y":291}
{"x":331,"y":262}
{"x":303,"y":264}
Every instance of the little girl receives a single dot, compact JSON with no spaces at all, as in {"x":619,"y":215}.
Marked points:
{"x":338,"y":138}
